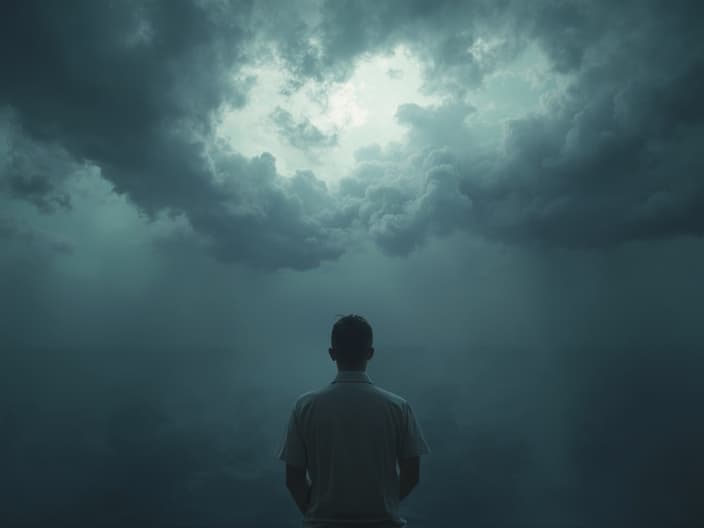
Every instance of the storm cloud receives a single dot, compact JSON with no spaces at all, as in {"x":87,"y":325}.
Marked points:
{"x":132,"y":89}
{"x":302,"y":134}
{"x":610,"y":155}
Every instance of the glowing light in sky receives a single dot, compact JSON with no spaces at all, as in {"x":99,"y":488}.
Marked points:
{"x":344,"y":109}
{"x":362,"y":110}
{"x":359,"y":112}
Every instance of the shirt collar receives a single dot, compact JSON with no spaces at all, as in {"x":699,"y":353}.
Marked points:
{"x":352,"y":376}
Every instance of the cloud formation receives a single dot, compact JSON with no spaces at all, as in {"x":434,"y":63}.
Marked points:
{"x":31,"y":170}
{"x":611,"y":157}
{"x":136,"y":90}
{"x":38,"y":240}
{"x":301,"y":134}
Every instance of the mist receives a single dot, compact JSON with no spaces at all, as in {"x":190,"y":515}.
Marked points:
{"x":192,"y":192}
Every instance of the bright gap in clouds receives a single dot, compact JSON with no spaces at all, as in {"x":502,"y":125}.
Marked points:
{"x":359,"y":112}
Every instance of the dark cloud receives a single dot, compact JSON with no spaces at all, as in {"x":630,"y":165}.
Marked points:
{"x":613,"y":158}
{"x":400,"y":204}
{"x":301,"y":134}
{"x":33,"y":171}
{"x":404,"y":194}
{"x":440,"y":34}
{"x":260,"y":220}
{"x":610,"y":157}
{"x":607,"y":163}
{"x":133,"y":88}
{"x":123,"y":86}
{"x":39,"y":241}
{"x":36,"y":188}
{"x":568,"y":30}
{"x":438,"y":126}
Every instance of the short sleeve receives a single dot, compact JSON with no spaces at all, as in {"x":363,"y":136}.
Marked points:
{"x":413,"y":442}
{"x":293,"y":449}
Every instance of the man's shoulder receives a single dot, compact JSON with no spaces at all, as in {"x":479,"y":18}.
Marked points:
{"x":391,"y":397}
{"x":306,"y":398}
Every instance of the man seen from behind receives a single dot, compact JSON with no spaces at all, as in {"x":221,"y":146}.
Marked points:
{"x":352,"y":449}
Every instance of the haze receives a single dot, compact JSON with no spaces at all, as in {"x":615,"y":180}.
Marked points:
{"x":510,"y":192}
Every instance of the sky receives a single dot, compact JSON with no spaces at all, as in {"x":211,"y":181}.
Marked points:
{"x":510,"y":192}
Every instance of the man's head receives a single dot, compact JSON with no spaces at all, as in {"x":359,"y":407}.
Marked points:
{"x":351,"y":342}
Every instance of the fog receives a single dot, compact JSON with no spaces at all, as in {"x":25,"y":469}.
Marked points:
{"x":575,"y":403}
{"x":192,"y":192}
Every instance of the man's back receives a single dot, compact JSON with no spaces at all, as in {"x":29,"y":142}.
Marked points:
{"x":349,"y":436}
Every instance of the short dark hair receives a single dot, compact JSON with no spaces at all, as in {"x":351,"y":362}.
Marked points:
{"x":351,"y":337}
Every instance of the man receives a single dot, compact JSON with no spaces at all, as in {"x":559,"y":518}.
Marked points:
{"x":359,"y":444}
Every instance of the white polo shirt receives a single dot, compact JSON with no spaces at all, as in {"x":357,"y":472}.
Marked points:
{"x":349,"y":436}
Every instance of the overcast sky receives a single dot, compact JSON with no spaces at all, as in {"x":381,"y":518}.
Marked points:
{"x":511,"y":192}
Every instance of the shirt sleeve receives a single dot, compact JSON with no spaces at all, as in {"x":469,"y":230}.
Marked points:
{"x":413,"y":442}
{"x":293,"y":449}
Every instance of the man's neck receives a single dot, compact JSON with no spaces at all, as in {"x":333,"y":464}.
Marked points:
{"x":352,"y":369}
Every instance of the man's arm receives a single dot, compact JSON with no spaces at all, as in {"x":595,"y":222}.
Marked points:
{"x":408,"y":475}
{"x":297,"y":484}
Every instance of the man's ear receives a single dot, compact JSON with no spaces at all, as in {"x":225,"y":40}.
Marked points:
{"x":331,"y":351}
{"x":370,"y":354}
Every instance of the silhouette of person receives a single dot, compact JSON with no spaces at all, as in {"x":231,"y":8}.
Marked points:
{"x":352,"y":449}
